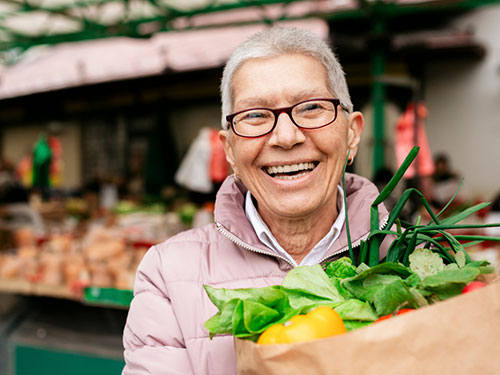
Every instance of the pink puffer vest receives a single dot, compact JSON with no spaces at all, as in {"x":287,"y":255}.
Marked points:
{"x":164,"y":333}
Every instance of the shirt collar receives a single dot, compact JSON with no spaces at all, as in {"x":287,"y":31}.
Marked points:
{"x":317,"y":253}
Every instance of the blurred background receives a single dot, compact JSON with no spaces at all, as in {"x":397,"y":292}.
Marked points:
{"x":109,"y":111}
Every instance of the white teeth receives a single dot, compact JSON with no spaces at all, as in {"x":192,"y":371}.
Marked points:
{"x":289,"y":168}
{"x":285,"y":177}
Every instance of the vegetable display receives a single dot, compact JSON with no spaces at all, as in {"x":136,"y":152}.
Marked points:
{"x":425,"y":264}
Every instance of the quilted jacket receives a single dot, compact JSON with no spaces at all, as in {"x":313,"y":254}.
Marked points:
{"x":164,"y":333}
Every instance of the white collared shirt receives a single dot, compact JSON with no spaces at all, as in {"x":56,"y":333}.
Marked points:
{"x":318,"y":251}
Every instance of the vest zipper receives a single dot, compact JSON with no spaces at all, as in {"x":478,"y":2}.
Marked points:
{"x":231,"y":237}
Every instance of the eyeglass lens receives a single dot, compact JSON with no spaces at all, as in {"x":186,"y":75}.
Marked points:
{"x":310,"y":114}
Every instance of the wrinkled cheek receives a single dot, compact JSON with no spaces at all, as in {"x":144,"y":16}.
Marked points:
{"x":245,"y":153}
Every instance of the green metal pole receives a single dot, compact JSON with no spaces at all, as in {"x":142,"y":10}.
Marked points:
{"x":378,"y":97}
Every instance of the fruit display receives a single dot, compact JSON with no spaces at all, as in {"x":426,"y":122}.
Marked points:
{"x":79,"y":252}
{"x":101,"y":257}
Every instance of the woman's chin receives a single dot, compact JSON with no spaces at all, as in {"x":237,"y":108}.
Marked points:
{"x":293,"y":207}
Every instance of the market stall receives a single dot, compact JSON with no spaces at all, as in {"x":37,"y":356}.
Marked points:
{"x":66,"y":280}
{"x":60,"y":252}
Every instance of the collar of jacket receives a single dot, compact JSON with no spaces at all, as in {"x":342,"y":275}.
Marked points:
{"x":231,"y":220}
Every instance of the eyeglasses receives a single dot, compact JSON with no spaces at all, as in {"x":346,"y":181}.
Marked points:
{"x":308,"y":114}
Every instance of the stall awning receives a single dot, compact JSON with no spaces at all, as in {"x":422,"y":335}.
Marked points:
{"x":90,"y":62}
{"x":28,"y":23}
{"x":55,"y":44}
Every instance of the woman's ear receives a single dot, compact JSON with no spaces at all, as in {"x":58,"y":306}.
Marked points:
{"x":355,"y":128}
{"x":224,"y":138}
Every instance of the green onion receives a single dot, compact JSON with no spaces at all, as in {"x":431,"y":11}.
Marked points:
{"x":408,"y":236}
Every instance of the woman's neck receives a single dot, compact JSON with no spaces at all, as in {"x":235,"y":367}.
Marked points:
{"x":298,"y":237}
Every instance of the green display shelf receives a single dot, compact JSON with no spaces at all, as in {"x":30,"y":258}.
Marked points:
{"x":31,"y":360}
{"x":108,"y":296}
{"x":61,"y":337}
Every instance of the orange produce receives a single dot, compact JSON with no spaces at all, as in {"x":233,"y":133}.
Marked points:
{"x":321,"y":322}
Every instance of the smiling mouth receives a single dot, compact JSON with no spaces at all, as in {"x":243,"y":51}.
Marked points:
{"x":290,"y":171}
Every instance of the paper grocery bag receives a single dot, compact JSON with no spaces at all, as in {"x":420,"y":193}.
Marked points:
{"x":457,"y":336}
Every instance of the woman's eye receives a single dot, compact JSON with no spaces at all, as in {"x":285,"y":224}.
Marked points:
{"x":255,"y":116}
{"x":310,"y":107}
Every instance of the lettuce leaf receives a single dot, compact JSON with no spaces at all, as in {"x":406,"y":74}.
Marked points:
{"x":426,"y":263}
{"x":450,"y":282}
{"x":341,"y":268}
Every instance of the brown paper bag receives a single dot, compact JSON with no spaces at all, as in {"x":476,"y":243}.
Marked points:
{"x":457,"y":336}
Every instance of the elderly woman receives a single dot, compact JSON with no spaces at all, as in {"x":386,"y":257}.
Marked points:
{"x":288,"y":129}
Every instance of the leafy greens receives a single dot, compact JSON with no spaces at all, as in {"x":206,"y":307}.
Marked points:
{"x":360,"y":295}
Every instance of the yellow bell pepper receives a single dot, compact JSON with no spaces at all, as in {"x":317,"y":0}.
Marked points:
{"x":321,"y":322}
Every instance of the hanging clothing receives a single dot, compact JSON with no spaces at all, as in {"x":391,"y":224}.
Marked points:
{"x":204,"y":164}
{"x":42,"y":156}
{"x":405,"y":140}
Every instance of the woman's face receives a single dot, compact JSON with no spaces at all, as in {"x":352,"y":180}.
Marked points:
{"x":318,"y":153}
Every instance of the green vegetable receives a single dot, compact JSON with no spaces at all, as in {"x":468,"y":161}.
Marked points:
{"x":449,"y":283}
{"x":430,"y":236}
{"x":308,"y":286}
{"x":425,"y":263}
{"x":342,"y":268}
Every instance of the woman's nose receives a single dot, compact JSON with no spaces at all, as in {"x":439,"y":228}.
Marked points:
{"x":286,"y":134}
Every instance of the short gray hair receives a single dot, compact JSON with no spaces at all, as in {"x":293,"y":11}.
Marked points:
{"x":276,"y":41}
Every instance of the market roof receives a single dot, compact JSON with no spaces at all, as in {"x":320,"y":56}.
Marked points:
{"x":53,"y":44}
{"x":90,"y":62}
{"x":26,"y":23}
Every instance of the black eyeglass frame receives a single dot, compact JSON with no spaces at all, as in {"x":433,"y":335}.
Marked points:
{"x":288,"y":111}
